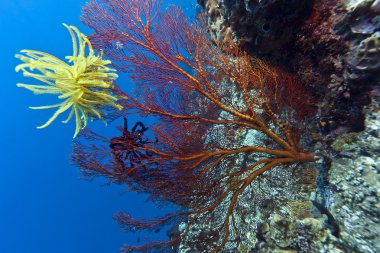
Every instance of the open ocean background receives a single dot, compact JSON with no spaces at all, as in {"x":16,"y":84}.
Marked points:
{"x":45,"y":205}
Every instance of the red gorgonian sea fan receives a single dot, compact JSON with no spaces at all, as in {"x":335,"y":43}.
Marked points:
{"x":204,"y":96}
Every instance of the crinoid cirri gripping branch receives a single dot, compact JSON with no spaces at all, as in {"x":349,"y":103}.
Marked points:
{"x":204,"y":97}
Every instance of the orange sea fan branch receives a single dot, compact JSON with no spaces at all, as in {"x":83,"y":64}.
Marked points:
{"x":225,"y":118}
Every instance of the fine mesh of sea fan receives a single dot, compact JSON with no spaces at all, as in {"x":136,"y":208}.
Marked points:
{"x":85,"y":83}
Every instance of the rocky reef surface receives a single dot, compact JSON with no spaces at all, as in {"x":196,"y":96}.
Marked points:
{"x":263,"y":26}
{"x":354,"y":178}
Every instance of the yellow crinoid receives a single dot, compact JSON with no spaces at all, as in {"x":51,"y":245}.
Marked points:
{"x":85,"y":83}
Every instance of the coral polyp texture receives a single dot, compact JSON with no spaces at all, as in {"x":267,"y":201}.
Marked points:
{"x":84,"y":83}
{"x":365,"y":56}
{"x":205,"y":98}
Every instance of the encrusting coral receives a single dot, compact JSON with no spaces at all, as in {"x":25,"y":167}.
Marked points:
{"x":86,"y":85}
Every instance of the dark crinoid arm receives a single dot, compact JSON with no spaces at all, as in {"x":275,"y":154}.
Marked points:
{"x":125,"y":125}
{"x":139,"y":124}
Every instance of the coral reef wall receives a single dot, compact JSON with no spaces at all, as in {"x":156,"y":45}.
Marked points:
{"x":354,"y":177}
{"x":333,"y":47}
{"x":262,"y":26}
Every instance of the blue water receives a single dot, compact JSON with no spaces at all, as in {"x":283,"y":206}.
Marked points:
{"x":45,"y":205}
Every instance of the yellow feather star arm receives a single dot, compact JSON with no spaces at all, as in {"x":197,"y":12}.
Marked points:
{"x":85,"y":82}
